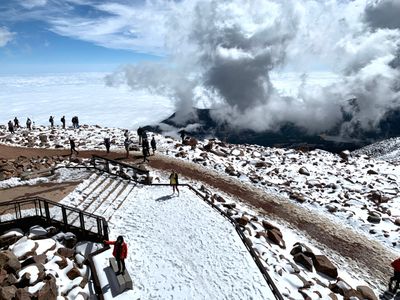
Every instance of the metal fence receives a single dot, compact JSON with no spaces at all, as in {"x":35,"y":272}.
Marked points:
{"x":23,"y":213}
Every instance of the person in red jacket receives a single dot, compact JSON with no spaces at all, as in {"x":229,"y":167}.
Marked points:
{"x":396,"y":276}
{"x":120,"y":252}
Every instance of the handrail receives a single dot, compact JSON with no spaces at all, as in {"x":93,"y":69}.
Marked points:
{"x":136,"y":170}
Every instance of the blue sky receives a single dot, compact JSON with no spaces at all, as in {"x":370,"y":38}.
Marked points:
{"x":38,"y":36}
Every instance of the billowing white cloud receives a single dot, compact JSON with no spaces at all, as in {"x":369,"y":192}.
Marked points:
{"x":228,"y":49}
{"x":5,"y":36}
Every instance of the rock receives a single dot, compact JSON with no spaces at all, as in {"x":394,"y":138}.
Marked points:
{"x":345,"y":154}
{"x":306,"y":283}
{"x":304,"y":171}
{"x":37,"y":232}
{"x":6,"y":241}
{"x":331,"y":208}
{"x":9,"y":262}
{"x":8,"y":292}
{"x":268,"y":226}
{"x":303,"y":260}
{"x":276,"y":237}
{"x":242,"y":221}
{"x":230,"y":170}
{"x":66,"y":252}
{"x":372,"y":172}
{"x":333,"y":296}
{"x":70,"y":240}
{"x":261,"y":233}
{"x":43,"y":138}
{"x":35,"y":259}
{"x":374,"y":219}
{"x":62,"y":263}
{"x":397,"y":222}
{"x":208,"y":147}
{"x":366,"y":292}
{"x":73,"y":273}
{"x":340,"y":287}
{"x":23,"y":294}
{"x":302,"y":248}
{"x":49,"y":290}
{"x":323,"y":265}
{"x":298,"y":197}
{"x":3,"y":276}
{"x":24,"y":281}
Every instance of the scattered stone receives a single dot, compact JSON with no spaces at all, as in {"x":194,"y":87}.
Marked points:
{"x":304,"y":171}
{"x":73,"y":273}
{"x":323,"y":265}
{"x":9,"y":262}
{"x":66,"y":252}
{"x":303,"y":260}
{"x":366,"y":292}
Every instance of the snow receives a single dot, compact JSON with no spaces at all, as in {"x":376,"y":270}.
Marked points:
{"x":23,"y":246}
{"x":180,"y":248}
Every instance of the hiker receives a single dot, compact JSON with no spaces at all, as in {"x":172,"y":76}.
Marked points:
{"x":127,"y":142}
{"x":72,"y":144}
{"x":126,"y":134}
{"x":16,"y":123}
{"x":120,"y":253}
{"x":396,"y":276}
{"x":183,"y":134}
{"x":153,"y":145}
{"x":76,"y":122}
{"x":107,"y":143}
{"x":10,"y":127}
{"x":139,"y":133}
{"x":63,"y":122}
{"x":29,"y":124}
{"x":173,"y":180}
{"x":51,"y":120}
{"x":145,"y":150}
{"x":73,"y":120}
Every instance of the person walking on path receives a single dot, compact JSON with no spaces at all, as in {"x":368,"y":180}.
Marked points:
{"x":72,"y":144}
{"x":51,"y":120}
{"x":107,"y":143}
{"x":153,"y":145}
{"x":173,"y":180}
{"x":63,"y":122}
{"x":120,"y":252}
{"x":396,"y":276}
{"x":145,"y":150}
{"x":29,"y":124}
{"x":127,"y":143}
{"x":126,"y":134}
{"x":10,"y":126}
{"x":139,"y":133}
{"x":183,"y":134}
{"x":16,"y":123}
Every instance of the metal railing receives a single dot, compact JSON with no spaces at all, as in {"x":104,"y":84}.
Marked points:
{"x":44,"y":211}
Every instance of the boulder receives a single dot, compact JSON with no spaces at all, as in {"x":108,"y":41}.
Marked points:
{"x":37,"y":232}
{"x":23,"y":294}
{"x":340,"y":287}
{"x":70,"y":240}
{"x":49,"y":290}
{"x":35,"y":259}
{"x":9,"y":262}
{"x":66,"y":252}
{"x":276,"y":237}
{"x":73,"y":273}
{"x":366,"y":292}
{"x":304,"y":171}
{"x":302,"y":248}
{"x":242,"y":221}
{"x":345,"y":154}
{"x":298,"y":197}
{"x":268,"y":225}
{"x":303,"y":260}
{"x":43,"y":138}
{"x":323,"y":265}
{"x":372,"y":172}
{"x":8,"y":292}
{"x":374,"y":218}
{"x":62,"y":263}
{"x":6,"y":241}
{"x":3,"y":276}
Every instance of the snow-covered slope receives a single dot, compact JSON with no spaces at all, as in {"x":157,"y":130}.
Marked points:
{"x":388,"y":150}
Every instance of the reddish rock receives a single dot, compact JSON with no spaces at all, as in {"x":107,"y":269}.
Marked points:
{"x":303,"y":260}
{"x":8,"y":292}
{"x":23,"y":294}
{"x":323,"y":265}
{"x":62,"y":263}
{"x":366,"y":292}
{"x":49,"y":290}
{"x":242,"y":221}
{"x":66,"y":252}
{"x":276,"y":237}
{"x":73,"y":273}
{"x":9,"y":262}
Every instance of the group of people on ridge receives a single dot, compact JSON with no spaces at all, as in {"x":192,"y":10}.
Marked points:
{"x":14,"y":125}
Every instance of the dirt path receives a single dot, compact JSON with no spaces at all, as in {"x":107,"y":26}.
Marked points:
{"x":52,"y":191}
{"x":369,"y":256}
{"x":366,"y":254}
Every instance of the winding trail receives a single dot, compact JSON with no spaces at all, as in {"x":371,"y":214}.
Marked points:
{"x":370,"y":257}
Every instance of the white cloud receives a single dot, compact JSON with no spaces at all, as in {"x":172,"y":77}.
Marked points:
{"x":33,"y":3}
{"x":5,"y":36}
